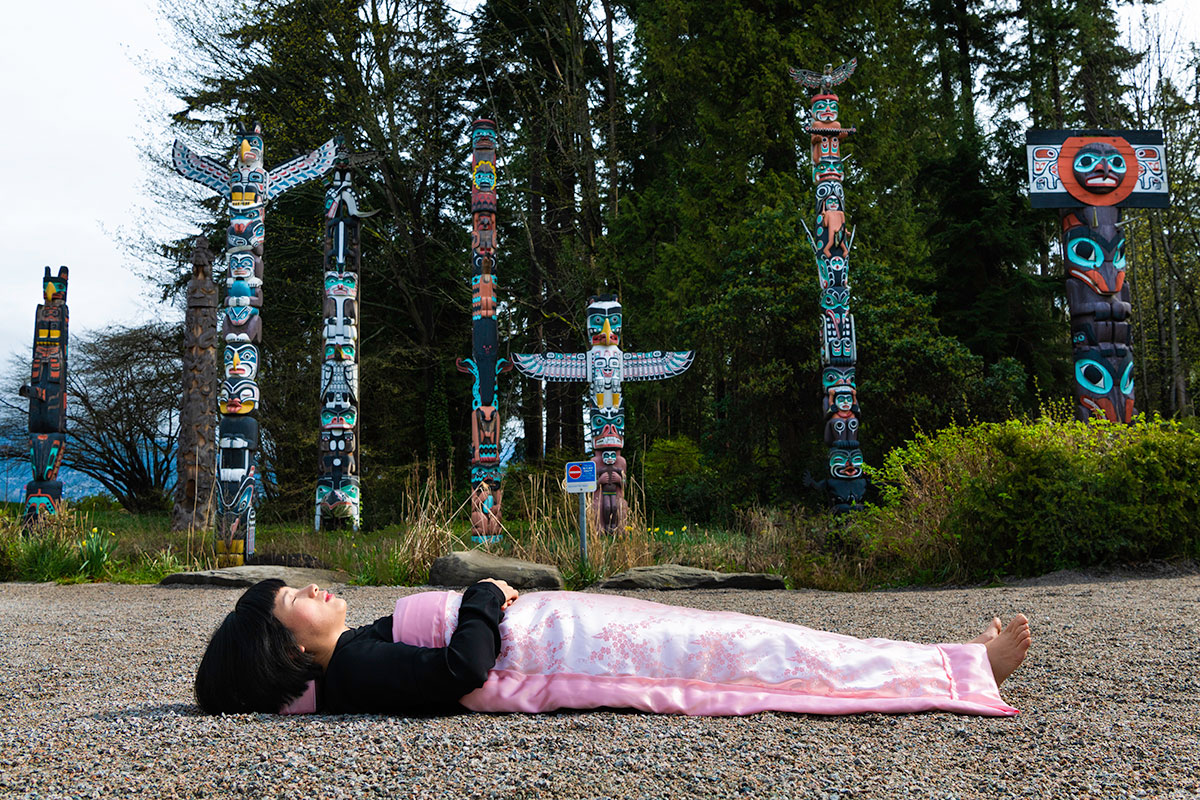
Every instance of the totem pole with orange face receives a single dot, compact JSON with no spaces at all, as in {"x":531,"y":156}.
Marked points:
{"x":1090,"y":176}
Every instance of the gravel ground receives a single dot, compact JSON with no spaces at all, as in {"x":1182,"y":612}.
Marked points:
{"x":95,"y":701}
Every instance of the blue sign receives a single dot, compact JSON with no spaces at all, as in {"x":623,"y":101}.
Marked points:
{"x":581,"y":476}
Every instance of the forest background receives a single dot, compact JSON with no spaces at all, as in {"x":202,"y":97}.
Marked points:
{"x":655,"y":150}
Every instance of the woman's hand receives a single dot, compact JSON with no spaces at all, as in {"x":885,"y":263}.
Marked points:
{"x":510,"y":594}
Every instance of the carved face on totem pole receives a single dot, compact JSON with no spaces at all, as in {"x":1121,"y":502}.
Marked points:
{"x":845,"y":462}
{"x":339,"y":419}
{"x":483,"y":176}
{"x":54,"y":288}
{"x":247,"y":230}
{"x":825,"y":109}
{"x":340,"y":352}
{"x":608,"y":429}
{"x":338,"y":495}
{"x":837,"y":378}
{"x":828,"y":170}
{"x":1099,"y":167}
{"x":238,"y":396}
{"x":245,"y":266}
{"x":241,"y":361}
{"x":1094,"y":248}
{"x":1104,"y":383}
{"x":250,"y":148}
{"x":341,"y":284}
{"x":242,"y":324}
{"x":604,"y":320}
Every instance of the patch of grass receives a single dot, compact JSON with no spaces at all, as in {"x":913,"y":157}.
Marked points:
{"x":967,"y":504}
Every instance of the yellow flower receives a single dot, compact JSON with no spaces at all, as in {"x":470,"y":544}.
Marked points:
{"x":685,"y":527}
{"x":670,"y":533}
{"x":656,"y":530}
{"x":354,"y":545}
{"x":628,"y":527}
{"x":95,"y":529}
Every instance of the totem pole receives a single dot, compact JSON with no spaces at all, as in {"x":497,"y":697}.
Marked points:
{"x":47,"y":393}
{"x":196,"y":457}
{"x":338,"y":497}
{"x":604,"y":367}
{"x":845,"y":485}
{"x":484,"y":364}
{"x":1089,"y":176}
{"x":248,"y":187}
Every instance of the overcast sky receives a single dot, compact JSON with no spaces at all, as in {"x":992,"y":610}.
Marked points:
{"x":78,"y":126}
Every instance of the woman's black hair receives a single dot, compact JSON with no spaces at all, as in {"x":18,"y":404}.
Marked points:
{"x":253,"y":662}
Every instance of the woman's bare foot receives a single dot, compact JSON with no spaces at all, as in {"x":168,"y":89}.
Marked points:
{"x":989,"y":633}
{"x":1007,"y":650}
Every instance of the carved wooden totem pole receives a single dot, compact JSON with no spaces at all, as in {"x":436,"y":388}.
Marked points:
{"x":1089,"y":176}
{"x":248,"y":188}
{"x":845,"y":484}
{"x":338,"y":498}
{"x":47,"y":393}
{"x":605,"y":367}
{"x":484,"y":364}
{"x":196,"y":458}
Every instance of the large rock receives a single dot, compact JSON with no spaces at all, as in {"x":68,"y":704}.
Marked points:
{"x":677,"y":576}
{"x":464,"y":567}
{"x":250,"y":575}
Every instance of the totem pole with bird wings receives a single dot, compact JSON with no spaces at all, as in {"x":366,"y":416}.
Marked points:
{"x":248,"y":188}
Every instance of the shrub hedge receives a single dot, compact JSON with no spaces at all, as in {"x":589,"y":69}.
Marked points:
{"x":1026,"y":498}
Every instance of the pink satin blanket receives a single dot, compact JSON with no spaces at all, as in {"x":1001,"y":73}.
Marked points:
{"x":580,"y":650}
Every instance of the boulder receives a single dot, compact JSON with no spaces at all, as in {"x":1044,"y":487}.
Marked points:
{"x":677,"y":576}
{"x":464,"y":567}
{"x":250,"y":575}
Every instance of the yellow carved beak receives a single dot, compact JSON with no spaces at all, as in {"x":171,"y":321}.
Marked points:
{"x":243,"y":150}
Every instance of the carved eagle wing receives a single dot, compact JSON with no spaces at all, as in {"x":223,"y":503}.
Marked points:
{"x":555,"y":367}
{"x":201,"y":169}
{"x":300,"y":169}
{"x":657,"y":365}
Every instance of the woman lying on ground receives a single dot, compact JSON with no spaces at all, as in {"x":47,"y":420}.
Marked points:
{"x":289,"y":650}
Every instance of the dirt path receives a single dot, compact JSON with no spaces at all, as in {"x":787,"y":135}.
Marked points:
{"x":95,"y":701}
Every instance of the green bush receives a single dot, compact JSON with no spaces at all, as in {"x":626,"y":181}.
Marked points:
{"x":679,"y":484}
{"x":1026,"y":498}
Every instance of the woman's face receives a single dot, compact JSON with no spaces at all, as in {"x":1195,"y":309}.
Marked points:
{"x":313,"y":615}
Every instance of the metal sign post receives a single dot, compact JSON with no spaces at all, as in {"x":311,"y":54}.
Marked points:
{"x":581,"y":480}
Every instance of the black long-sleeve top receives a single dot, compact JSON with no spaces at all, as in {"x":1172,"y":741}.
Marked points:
{"x":368,"y":673}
